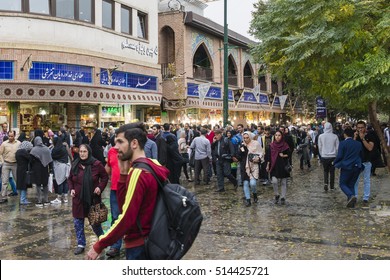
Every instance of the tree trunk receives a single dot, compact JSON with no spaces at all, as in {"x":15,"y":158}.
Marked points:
{"x":377,"y":129}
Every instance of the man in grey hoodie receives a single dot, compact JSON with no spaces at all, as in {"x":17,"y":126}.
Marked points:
{"x":328,"y":144}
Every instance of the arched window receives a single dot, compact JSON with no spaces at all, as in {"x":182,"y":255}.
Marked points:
{"x":232,"y":71}
{"x":263,"y":82}
{"x":248,"y":74}
{"x":202,"y":66}
{"x":167,"y":51}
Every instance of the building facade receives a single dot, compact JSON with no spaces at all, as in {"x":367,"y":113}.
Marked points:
{"x":84,"y":63}
{"x":191,"y":58}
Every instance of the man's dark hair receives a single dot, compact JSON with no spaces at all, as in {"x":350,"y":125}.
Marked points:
{"x":157,"y":126}
{"x":166,"y":126}
{"x":362,"y":122}
{"x":134,"y":131}
{"x":218,"y":131}
{"x":203,"y":131}
{"x":349,"y":132}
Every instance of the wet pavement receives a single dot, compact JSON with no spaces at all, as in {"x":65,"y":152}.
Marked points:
{"x":312,"y":225}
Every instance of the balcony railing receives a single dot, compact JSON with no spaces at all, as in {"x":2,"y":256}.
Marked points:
{"x":203,"y":73}
{"x":167,"y":72}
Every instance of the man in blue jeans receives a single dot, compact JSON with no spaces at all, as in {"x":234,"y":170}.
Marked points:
{"x":349,"y":161}
{"x":367,"y":141}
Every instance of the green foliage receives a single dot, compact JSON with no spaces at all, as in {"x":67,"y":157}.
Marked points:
{"x":339,"y":49}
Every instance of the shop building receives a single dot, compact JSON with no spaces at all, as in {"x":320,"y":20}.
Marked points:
{"x":84,"y":63}
{"x":191,"y":58}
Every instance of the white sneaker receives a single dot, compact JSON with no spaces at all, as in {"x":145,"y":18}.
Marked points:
{"x":56,"y":201}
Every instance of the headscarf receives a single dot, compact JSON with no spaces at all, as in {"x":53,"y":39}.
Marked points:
{"x":22,"y":137}
{"x":25,"y":145}
{"x":250,"y":134}
{"x":41,"y":152}
{"x":87,"y":184}
{"x":276,"y":148}
{"x":38,"y":133}
{"x":59,"y":152}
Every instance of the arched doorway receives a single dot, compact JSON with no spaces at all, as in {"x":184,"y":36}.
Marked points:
{"x":248,"y":74}
{"x":202,"y":64}
{"x":167,"y":51}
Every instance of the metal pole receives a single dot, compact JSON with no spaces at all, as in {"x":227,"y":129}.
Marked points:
{"x":225,"y":69}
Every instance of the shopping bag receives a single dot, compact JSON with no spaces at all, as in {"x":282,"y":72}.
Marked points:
{"x":50,"y":184}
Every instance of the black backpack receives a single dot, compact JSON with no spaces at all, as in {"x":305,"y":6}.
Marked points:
{"x":176,"y":221}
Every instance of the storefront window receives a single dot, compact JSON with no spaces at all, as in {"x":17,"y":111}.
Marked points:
{"x":41,"y":116}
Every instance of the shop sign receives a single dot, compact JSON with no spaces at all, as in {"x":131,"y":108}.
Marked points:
{"x":321,"y":113}
{"x":230,"y":94}
{"x":6,"y":70}
{"x":264,"y":99}
{"x":249,"y":97}
{"x":44,"y":71}
{"x":213,"y":92}
{"x":108,"y":111}
{"x":139,"y":48}
{"x":128,"y":80}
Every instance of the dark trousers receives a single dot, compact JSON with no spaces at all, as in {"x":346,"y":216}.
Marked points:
{"x":329,"y":171}
{"x":348,"y":178}
{"x":199,"y":165}
{"x":224,"y":170}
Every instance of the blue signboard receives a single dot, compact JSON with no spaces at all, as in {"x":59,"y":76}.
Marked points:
{"x":44,"y":71}
{"x":214,"y":92}
{"x":230,"y":94}
{"x":264,"y":99}
{"x":320,"y":102}
{"x":277,"y":101}
{"x":129,"y":80}
{"x":6,"y":70}
{"x":248,"y":97}
{"x":321,"y":113}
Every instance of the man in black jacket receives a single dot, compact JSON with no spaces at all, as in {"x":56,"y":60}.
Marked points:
{"x":223,"y":151}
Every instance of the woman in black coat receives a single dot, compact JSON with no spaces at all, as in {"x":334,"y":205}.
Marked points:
{"x":41,"y":165}
{"x":96,"y":145}
{"x":22,"y":161}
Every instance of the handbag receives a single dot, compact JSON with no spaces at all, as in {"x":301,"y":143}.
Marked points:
{"x":251,"y":157}
{"x":29,"y":176}
{"x":97,"y":214}
{"x":192,"y":158}
{"x":50,"y":185}
{"x":288,"y":167}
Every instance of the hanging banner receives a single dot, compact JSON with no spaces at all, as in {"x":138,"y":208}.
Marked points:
{"x":237,"y":94}
{"x":256,"y":92}
{"x":203,"y":89}
{"x":282,"y":100}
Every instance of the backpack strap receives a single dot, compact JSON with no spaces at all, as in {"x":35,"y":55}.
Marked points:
{"x":145,"y":166}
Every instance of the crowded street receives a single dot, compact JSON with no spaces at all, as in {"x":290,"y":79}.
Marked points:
{"x":313,"y":225}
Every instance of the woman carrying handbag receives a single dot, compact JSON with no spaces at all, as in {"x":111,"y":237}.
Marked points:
{"x":278,"y":166}
{"x":87,"y":181}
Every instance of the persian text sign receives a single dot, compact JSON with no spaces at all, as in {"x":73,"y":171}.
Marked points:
{"x":60,"y":72}
{"x":213,"y":92}
{"x":129,"y":80}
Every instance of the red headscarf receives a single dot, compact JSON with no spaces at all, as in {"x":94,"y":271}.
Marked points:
{"x":276,"y":148}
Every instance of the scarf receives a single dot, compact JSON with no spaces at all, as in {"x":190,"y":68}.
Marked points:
{"x":276,"y":148}
{"x":87,"y":184}
{"x":41,"y":152}
{"x":59,"y":152}
{"x":26,"y":145}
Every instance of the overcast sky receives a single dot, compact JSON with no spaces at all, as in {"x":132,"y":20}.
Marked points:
{"x":239,"y":14}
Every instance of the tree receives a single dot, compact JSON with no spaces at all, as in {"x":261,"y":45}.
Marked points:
{"x":339,"y":49}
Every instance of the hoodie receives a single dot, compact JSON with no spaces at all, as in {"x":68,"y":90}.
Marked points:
{"x":137,"y":193}
{"x":328,"y":142}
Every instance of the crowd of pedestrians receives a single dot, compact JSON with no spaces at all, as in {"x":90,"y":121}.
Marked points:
{"x":82,"y":163}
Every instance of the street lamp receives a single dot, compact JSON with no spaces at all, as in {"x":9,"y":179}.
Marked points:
{"x":225,"y":67}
